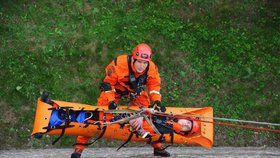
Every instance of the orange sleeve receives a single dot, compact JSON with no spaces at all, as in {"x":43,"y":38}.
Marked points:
{"x":111,"y":78}
{"x":177,"y":127}
{"x":153,"y":83}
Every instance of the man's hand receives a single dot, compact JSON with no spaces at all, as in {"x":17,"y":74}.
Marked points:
{"x":149,"y":110}
{"x":158,"y":106}
{"x":112,"y":105}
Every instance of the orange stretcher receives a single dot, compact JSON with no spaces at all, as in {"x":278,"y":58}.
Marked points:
{"x":55,"y":117}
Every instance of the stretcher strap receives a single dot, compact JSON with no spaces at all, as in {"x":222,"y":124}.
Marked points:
{"x":67,"y":122}
{"x":128,"y":140}
{"x":100,"y":136}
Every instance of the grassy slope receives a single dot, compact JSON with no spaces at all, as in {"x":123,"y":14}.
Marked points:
{"x":224,"y":54}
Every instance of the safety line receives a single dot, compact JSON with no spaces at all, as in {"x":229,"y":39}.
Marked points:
{"x":221,"y":119}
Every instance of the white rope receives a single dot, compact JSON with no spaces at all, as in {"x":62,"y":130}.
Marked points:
{"x":246,"y":121}
{"x":91,"y":114}
{"x":234,"y":120}
{"x":214,"y":118}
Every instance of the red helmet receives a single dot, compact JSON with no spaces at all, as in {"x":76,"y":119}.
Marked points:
{"x":195,"y":127}
{"x":142,"y":52}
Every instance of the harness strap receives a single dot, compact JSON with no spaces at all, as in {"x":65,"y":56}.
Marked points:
{"x":61,"y":107}
{"x":60,"y":136}
{"x":122,"y":93}
{"x":116,"y":61}
{"x":100,"y":136}
{"x":136,"y":83}
{"x":171,"y":132}
{"x":67,"y":122}
{"x":58,"y":127}
{"x":172,"y":138}
{"x":160,"y":139}
{"x":149,"y":141}
{"x":128,"y":139}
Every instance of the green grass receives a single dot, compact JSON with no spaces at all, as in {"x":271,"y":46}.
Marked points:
{"x":219,"y":53}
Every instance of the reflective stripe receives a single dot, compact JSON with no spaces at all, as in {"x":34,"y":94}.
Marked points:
{"x":110,"y":91}
{"x":154,"y":91}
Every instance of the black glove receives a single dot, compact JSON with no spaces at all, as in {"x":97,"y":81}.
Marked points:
{"x":158,"y":106}
{"x":112,"y":105}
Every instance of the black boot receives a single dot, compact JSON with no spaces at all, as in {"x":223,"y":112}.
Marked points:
{"x":161,"y":152}
{"x":75,"y":155}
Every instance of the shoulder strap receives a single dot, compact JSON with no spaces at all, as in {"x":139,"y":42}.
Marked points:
{"x":132,"y":78}
{"x":116,"y":61}
{"x":137,"y":83}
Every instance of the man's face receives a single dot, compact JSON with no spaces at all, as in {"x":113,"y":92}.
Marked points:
{"x":186,"y":125}
{"x":140,"y":65}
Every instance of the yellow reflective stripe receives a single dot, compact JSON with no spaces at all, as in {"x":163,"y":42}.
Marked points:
{"x":154,"y":91}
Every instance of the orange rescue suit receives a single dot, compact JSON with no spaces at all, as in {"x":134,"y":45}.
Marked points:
{"x":117,"y":75}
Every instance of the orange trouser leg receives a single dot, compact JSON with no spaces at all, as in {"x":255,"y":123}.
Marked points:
{"x":157,"y":145}
{"x":141,"y":100}
{"x":82,"y":140}
{"x":103,"y":99}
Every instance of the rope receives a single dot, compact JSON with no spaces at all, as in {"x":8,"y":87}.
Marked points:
{"x":220,"y":118}
{"x":187,"y":116}
{"x":91,"y":114}
{"x":195,"y":117}
{"x":245,"y":127}
{"x":245,"y":121}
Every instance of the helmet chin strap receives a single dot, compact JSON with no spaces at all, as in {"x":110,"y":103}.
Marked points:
{"x":133,"y":63}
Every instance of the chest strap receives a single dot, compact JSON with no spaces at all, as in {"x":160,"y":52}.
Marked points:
{"x":136,"y":83}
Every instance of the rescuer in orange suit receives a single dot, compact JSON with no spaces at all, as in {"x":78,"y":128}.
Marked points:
{"x":126,"y":76}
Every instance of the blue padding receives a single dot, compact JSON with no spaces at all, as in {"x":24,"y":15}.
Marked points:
{"x":81,"y":117}
{"x":55,"y":120}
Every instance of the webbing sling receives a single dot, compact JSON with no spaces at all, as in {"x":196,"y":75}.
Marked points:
{"x":168,"y":129}
{"x":63,"y":127}
{"x":128,"y":140}
{"x":100,"y":136}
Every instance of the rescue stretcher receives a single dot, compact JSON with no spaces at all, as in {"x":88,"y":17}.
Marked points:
{"x":54,"y":117}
